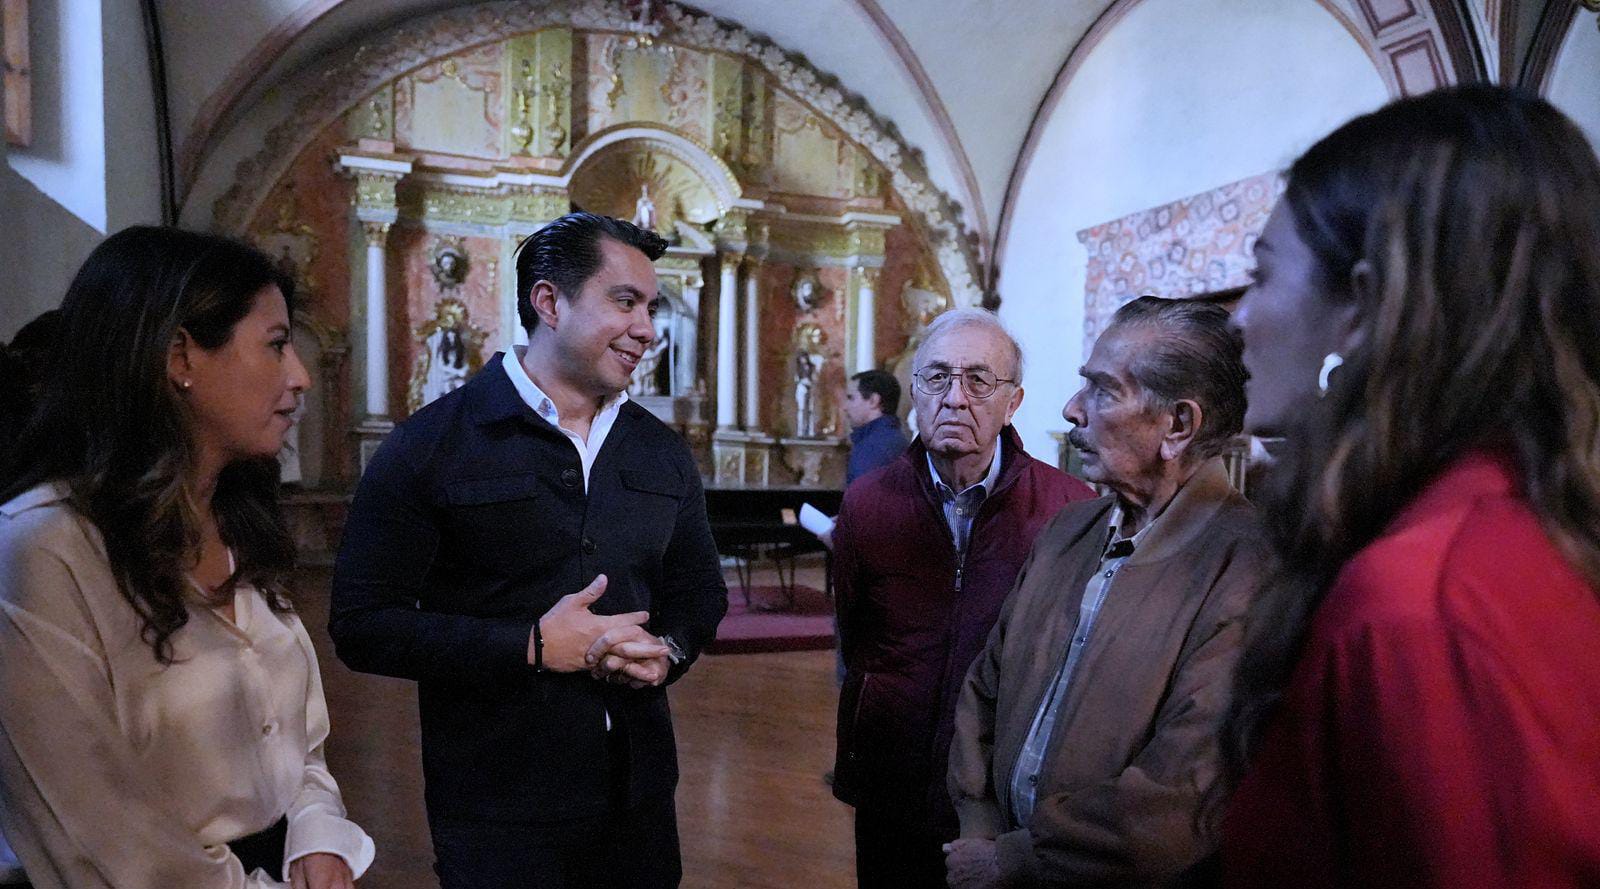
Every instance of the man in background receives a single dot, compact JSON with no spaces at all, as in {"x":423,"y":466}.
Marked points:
{"x":871,"y":405}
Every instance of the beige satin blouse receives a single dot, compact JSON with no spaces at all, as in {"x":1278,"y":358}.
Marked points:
{"x":116,"y":771}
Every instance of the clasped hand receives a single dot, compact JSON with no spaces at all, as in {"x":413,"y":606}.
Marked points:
{"x":616,"y":648}
{"x":971,"y":863}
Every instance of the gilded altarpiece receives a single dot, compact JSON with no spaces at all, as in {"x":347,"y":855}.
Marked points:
{"x":476,"y":149}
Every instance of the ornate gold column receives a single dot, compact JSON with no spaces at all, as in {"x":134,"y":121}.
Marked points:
{"x":691,"y":345}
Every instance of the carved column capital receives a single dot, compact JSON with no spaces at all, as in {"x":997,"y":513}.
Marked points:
{"x":375,"y":190}
{"x":733,"y":230}
{"x":376,"y":177}
{"x":377,"y":233}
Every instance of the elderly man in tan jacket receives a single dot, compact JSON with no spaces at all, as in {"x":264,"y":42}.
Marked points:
{"x":1085,"y":732}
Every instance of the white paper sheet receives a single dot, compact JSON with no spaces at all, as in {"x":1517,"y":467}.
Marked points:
{"x":814,"y":521}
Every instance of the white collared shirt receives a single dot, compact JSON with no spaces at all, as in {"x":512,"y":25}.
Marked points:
{"x":599,"y":428}
{"x":134,"y":773}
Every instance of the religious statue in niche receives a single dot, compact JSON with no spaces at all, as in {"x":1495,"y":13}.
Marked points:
{"x":808,"y":291}
{"x":449,"y":265}
{"x":452,"y":351}
{"x":653,"y":376}
{"x":808,"y":361}
{"x":644,"y":209}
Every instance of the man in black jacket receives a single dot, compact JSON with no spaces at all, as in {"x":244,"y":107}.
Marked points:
{"x":533,"y":550}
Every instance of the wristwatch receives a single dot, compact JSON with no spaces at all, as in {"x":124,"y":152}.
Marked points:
{"x":675,"y":652}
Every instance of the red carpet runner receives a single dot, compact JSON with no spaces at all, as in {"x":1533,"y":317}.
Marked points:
{"x":807,"y":626}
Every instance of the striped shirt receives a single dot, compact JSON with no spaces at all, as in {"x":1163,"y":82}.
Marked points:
{"x":960,"y":509}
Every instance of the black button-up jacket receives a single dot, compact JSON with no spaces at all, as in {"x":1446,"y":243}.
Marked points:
{"x":470,"y":522}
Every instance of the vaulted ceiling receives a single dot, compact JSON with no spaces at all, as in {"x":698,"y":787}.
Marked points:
{"x":961,"y":79}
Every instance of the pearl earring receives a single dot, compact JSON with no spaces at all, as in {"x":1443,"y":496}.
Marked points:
{"x":186,"y":383}
{"x":1330,"y":363}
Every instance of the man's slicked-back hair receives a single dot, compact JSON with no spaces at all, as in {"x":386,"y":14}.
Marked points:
{"x":882,"y":384}
{"x":567,"y":253}
{"x":1197,"y":355}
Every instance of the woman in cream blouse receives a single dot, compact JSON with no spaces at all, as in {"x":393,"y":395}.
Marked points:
{"x":161,"y":713}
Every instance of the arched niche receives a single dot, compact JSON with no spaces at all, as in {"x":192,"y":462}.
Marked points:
{"x":607,"y":172}
{"x":668,"y":183}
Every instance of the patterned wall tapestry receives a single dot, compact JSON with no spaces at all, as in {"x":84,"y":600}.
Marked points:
{"x":1200,"y":244}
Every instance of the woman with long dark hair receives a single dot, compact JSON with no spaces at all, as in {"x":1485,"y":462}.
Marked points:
{"x":161,"y":713}
{"x":1419,"y":699}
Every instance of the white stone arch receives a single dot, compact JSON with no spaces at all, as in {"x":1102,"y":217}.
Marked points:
{"x":711,"y":169}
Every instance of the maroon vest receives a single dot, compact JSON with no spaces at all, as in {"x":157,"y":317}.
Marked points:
{"x":909,"y":633}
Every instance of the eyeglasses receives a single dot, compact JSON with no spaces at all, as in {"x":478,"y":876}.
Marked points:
{"x":976,"y":383}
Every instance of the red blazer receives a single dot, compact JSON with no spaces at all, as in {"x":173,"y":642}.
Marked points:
{"x":907,"y":635}
{"x":1442,"y":728}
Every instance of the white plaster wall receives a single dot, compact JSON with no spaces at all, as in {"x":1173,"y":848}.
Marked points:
{"x":41,"y":250}
{"x":67,"y":159}
{"x":93,"y":166}
{"x":1575,"y":81}
{"x":1180,"y":97}
{"x":132,"y":152}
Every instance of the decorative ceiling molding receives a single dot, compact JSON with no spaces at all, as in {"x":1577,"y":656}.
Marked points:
{"x":326,"y":89}
{"x":1424,"y":46}
{"x":934,"y":106}
{"x":1548,"y":36}
{"x":1465,"y":53}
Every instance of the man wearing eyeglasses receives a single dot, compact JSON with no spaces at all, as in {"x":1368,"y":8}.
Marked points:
{"x":925,"y":550}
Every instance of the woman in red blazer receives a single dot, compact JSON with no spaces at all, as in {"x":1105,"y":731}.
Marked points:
{"x":1419,"y":701}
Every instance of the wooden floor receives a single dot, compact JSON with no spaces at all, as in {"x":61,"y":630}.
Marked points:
{"x":755,"y":734}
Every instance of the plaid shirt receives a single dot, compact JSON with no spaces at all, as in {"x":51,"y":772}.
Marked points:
{"x":1025,"y":778}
